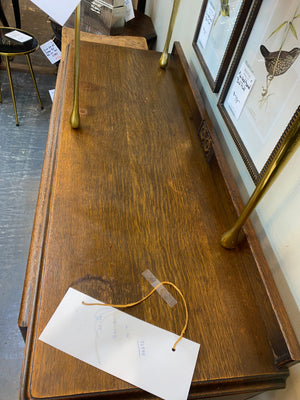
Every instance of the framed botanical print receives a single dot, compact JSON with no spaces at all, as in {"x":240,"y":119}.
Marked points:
{"x":218,"y":29}
{"x":261,"y":94}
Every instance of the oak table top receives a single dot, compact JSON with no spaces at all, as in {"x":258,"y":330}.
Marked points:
{"x":131,"y":190}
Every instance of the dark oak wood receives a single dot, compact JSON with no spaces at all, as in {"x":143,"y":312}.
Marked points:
{"x":131,"y":190}
{"x":142,"y":26}
{"x":135,"y":42}
{"x":139,"y":27}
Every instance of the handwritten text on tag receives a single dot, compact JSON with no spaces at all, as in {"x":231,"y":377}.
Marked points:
{"x":207,"y":24}
{"x":51,"y":51}
{"x":242,"y":85}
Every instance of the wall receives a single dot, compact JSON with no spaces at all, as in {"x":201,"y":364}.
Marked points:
{"x":276,"y":220}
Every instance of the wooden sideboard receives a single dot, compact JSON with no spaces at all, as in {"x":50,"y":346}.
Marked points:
{"x":143,"y":184}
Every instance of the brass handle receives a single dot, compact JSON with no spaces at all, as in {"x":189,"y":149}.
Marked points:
{"x":163,"y":62}
{"x":75,"y":118}
{"x":291,"y":141}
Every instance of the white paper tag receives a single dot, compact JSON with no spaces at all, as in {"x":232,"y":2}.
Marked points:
{"x":121,"y":345}
{"x":207,"y":24}
{"x":51,"y":51}
{"x":242,"y":85}
{"x":129,"y":10}
{"x":58,"y":10}
{"x":18,"y":36}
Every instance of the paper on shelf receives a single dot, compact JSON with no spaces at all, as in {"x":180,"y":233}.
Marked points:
{"x":18,"y":36}
{"x":124,"y":346}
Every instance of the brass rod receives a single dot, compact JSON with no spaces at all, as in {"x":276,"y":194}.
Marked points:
{"x":291,"y":141}
{"x":163,"y":62}
{"x":75,"y":118}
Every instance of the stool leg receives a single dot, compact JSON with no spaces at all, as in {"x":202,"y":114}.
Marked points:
{"x":33,"y":79}
{"x":11,"y":89}
{"x":2,"y":16}
{"x":17,"y":13}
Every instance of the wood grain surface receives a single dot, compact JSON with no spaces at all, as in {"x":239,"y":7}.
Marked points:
{"x":129,"y":191}
{"x":68,"y":35}
{"x":35,"y":253}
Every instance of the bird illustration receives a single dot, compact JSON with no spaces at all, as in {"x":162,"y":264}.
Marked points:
{"x":225,"y":8}
{"x":277,"y":63}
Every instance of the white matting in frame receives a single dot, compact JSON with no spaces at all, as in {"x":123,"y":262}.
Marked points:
{"x":219,"y":26}
{"x":273,"y":98}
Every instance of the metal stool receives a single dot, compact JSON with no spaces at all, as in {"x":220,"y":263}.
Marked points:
{"x":12,"y":48}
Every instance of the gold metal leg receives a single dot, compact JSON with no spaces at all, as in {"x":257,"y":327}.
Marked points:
{"x":33,"y":79}
{"x":163,"y":62}
{"x":75,"y":118}
{"x":231,"y":238}
{"x":11,"y":89}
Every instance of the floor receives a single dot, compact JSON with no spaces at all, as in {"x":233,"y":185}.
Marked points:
{"x":21,"y":157}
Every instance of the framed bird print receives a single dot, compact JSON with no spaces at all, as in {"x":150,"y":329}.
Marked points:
{"x":261,"y":93}
{"x":218,"y":29}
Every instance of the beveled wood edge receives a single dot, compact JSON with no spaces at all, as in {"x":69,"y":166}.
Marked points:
{"x":285,"y":346}
{"x":231,"y":387}
{"x":41,"y":214}
{"x":35,"y":260}
{"x":187,"y":80}
{"x":215,"y":389}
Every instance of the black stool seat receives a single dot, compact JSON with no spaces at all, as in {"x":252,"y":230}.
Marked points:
{"x":13,"y":47}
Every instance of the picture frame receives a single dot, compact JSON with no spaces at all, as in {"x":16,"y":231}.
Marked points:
{"x":260,"y":98}
{"x":218,"y":29}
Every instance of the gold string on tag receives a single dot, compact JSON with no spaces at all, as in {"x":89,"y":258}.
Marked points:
{"x":145,"y":298}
